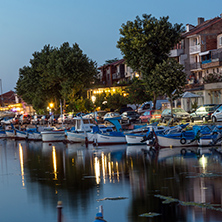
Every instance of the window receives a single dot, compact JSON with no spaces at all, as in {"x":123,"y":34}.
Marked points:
{"x":220,"y":40}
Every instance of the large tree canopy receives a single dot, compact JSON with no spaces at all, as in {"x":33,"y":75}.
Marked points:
{"x":172,"y":79}
{"x":147,"y":42}
{"x":55,"y":73}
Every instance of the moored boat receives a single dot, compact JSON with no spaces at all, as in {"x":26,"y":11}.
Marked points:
{"x":109,"y":137}
{"x":53,"y":135}
{"x":78,"y":133}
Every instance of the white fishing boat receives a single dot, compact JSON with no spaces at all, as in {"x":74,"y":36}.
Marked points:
{"x":53,"y":135}
{"x":110,"y":136}
{"x":137,"y":136}
{"x":78,"y":133}
{"x":2,"y":133}
{"x":176,"y":140}
{"x":34,"y":134}
{"x":21,"y":134}
{"x":10,"y":133}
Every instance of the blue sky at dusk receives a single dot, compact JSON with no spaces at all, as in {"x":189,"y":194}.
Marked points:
{"x":27,"y":25}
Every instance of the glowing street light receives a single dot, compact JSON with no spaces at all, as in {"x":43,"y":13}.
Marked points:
{"x":51,"y":105}
{"x":93,"y":99}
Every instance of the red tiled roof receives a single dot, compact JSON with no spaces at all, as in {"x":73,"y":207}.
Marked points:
{"x":202,"y":26}
{"x":112,"y":64}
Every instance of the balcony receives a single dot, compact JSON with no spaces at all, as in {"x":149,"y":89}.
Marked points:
{"x":195,"y":66}
{"x":176,"y":52}
{"x":211,"y":63}
{"x":194,"y":49}
{"x":116,"y":75}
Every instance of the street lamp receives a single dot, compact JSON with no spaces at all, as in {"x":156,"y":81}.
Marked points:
{"x":51,"y":105}
{"x":94,"y":100}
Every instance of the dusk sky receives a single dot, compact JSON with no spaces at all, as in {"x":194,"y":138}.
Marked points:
{"x":27,"y":25}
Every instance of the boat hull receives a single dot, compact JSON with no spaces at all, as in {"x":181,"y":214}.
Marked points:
{"x":102,"y":139}
{"x":75,"y":137}
{"x":2,"y":134}
{"x":35,"y":136}
{"x":166,"y":142}
{"x":51,"y":136}
{"x":135,"y":139}
{"x":21,"y":134}
{"x":10,"y":133}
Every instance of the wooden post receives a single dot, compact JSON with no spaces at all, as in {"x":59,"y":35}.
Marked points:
{"x":59,"y":209}
{"x":101,"y":209}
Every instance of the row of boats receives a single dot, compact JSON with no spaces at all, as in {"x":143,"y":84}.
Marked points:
{"x":85,"y":130}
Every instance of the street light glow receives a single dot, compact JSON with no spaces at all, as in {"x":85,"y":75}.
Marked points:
{"x":51,"y":105}
{"x":93,"y":99}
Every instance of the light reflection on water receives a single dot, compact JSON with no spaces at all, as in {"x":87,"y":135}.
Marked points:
{"x":35,"y":176}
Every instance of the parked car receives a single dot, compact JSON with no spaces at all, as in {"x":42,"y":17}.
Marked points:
{"x":178,"y":114}
{"x":100,"y":115}
{"x":148,"y":115}
{"x":124,"y":109}
{"x":203,"y":113}
{"x":129,"y":117}
{"x":111,"y":115}
{"x":146,"y":106}
{"x":217,"y":114}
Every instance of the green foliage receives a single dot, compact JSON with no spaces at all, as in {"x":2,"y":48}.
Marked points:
{"x":194,"y":105}
{"x":212,"y":77}
{"x":54,"y":74}
{"x":171,"y":77}
{"x":147,"y":42}
{"x":111,"y":61}
{"x":116,"y":101}
{"x":137,"y":92}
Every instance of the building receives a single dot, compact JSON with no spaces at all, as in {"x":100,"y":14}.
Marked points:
{"x":200,"y":52}
{"x":11,"y":102}
{"x":115,"y":73}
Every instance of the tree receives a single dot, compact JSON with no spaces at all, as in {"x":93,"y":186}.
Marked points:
{"x":137,"y":92}
{"x":54,"y":74}
{"x":147,"y":42}
{"x":108,"y":61}
{"x":116,"y":101}
{"x":172,"y":79}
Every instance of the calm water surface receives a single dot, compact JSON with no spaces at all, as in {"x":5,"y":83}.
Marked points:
{"x":34,"y":176}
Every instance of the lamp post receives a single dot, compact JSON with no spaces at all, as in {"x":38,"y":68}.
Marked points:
{"x":51,"y":105}
{"x":93,"y":100}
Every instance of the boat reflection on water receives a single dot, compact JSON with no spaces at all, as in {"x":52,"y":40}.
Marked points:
{"x":80,"y":176}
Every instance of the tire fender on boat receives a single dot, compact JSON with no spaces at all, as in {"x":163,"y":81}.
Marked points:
{"x":183,"y":140}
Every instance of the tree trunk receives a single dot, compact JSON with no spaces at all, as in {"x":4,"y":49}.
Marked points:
{"x":154,"y":100}
{"x":171,"y":107}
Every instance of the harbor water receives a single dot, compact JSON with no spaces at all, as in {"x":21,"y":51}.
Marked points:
{"x":130,"y":182}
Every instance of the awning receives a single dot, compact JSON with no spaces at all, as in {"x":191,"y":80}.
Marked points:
{"x":190,"y":95}
{"x":204,"y":53}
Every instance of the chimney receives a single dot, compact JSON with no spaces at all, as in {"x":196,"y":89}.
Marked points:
{"x":187,"y":27}
{"x":200,"y":20}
